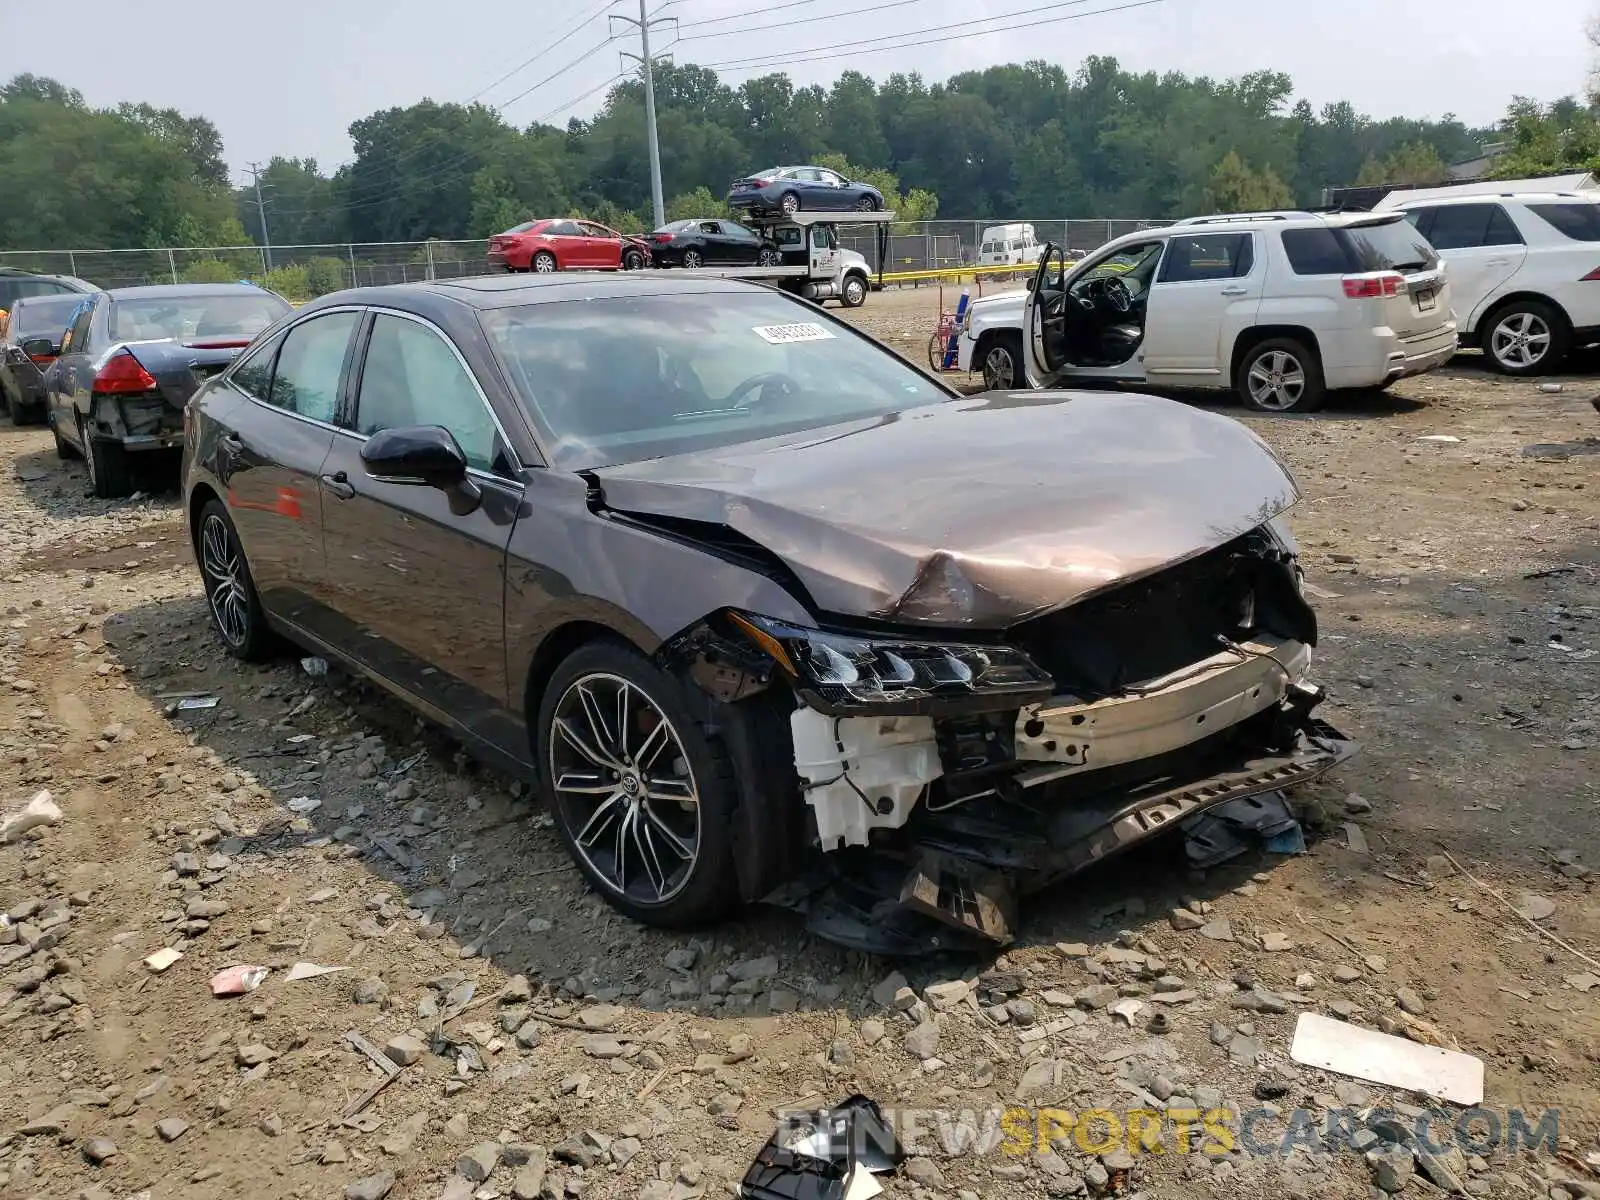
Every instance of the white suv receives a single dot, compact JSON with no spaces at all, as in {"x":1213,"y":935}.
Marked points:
{"x":1281,"y":306}
{"x":1525,"y":269}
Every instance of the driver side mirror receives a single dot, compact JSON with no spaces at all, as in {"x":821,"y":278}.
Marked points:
{"x":37,"y":348}
{"x":424,"y":455}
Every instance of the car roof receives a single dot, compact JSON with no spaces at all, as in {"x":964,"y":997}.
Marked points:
{"x":69,"y":280}
{"x":157,"y":290}
{"x":1399,"y":200}
{"x":487,"y":292}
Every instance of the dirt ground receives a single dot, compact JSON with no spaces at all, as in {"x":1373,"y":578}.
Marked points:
{"x":554,"y":1048}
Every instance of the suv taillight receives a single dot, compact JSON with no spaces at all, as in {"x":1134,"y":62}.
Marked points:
{"x":1371,"y":287}
{"x":123,"y":373}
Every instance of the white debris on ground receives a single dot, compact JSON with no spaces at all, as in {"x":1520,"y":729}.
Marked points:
{"x":514,"y":1037}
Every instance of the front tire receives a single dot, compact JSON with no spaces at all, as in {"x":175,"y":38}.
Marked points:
{"x":641,"y":796}
{"x":633,"y":260}
{"x":866,"y":204}
{"x":1002,"y":362}
{"x":65,"y":450}
{"x":1281,"y":375}
{"x":1525,"y":338}
{"x":544,"y":263}
{"x":854,"y":292}
{"x":107,"y":461}
{"x":231,"y":598}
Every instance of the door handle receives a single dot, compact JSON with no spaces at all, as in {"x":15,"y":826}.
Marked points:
{"x":339,"y":484}
{"x":1235,"y":291}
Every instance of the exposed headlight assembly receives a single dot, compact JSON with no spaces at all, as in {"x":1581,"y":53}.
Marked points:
{"x":850,"y":675}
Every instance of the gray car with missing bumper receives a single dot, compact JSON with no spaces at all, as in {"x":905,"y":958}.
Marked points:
{"x":767,"y":613}
{"x":131,"y":358}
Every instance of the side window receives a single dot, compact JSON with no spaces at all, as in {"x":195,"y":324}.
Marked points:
{"x":597,"y":231}
{"x":1460,"y":226}
{"x":822,"y":237}
{"x":1212,"y":256}
{"x":253,"y":376}
{"x":78,"y":335}
{"x":735,"y":230}
{"x":829,"y":178}
{"x":413,"y":377}
{"x":310,"y":365}
{"x":1316,"y":251}
{"x":563,"y":229}
{"x":1503,"y":230}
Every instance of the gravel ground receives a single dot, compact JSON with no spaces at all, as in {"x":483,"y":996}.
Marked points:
{"x":552,"y":1048}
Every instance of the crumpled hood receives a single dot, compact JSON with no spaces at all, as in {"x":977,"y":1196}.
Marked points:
{"x":978,"y":512}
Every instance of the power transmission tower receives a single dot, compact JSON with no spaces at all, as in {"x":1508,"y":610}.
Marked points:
{"x":645,"y":23}
{"x":261,"y":211}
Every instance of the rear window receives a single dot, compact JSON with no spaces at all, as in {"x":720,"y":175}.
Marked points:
{"x":1580,"y":222}
{"x":1392,"y":246}
{"x":42,"y":316}
{"x":13,"y":289}
{"x":523,"y":228}
{"x":147,"y":318}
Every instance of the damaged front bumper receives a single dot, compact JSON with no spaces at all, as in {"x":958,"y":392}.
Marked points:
{"x":954,"y":879}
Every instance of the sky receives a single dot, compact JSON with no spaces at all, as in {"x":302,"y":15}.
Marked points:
{"x":290,"y":76}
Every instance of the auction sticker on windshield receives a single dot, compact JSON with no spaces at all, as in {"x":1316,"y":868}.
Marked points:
{"x":782,"y":335}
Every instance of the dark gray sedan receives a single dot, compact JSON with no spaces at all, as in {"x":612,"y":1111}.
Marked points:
{"x":33,"y":332}
{"x":131,"y":358}
{"x":766,"y":612}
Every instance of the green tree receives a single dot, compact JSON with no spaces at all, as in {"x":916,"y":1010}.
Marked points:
{"x":698,"y":203}
{"x":1235,"y":187}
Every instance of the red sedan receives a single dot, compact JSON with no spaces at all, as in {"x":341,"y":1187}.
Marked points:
{"x":565,"y":245}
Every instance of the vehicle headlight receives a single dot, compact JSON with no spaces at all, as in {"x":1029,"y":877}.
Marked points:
{"x":842,"y":674}
{"x":966,"y":321}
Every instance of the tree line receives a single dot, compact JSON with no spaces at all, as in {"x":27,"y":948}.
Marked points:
{"x":1025,"y":141}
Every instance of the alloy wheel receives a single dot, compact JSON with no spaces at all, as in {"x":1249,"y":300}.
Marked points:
{"x":999,"y":371}
{"x":866,"y":204}
{"x":1521,"y":341}
{"x":768,"y":258}
{"x":691,"y":259}
{"x":790,"y":203}
{"x":544,"y":264}
{"x":1277,"y":381}
{"x":88,"y":456}
{"x":625,"y":787}
{"x":223,"y":568}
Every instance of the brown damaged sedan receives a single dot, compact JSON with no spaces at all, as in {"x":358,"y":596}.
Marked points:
{"x":767,"y":612}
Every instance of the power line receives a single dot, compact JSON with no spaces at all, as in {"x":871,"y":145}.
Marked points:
{"x":844,"y":49}
{"x":854,"y":12}
{"x":546,"y":48}
{"x":744,"y":16}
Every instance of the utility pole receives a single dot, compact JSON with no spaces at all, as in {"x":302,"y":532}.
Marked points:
{"x":261,"y":211}
{"x":645,"y":23}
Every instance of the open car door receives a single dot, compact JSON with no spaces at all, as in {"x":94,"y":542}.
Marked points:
{"x":1044,"y":319}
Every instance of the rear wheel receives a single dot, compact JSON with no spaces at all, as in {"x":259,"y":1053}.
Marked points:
{"x":230,"y":591}
{"x":1281,"y":375}
{"x":544,"y":262}
{"x":790,"y":204}
{"x":1526,"y":337}
{"x":1002,"y":361}
{"x":692,"y":259}
{"x":641,"y":796}
{"x":107,"y":462}
{"x":768,"y":257}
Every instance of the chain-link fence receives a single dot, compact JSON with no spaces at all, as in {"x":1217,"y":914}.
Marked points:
{"x":300,"y":272}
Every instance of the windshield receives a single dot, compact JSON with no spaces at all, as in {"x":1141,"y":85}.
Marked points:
{"x":41,"y":317}
{"x":1393,"y":246}
{"x":146,"y":318}
{"x":624,"y":379}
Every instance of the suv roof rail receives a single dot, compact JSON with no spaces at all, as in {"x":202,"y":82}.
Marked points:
{"x":1282,"y":214}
